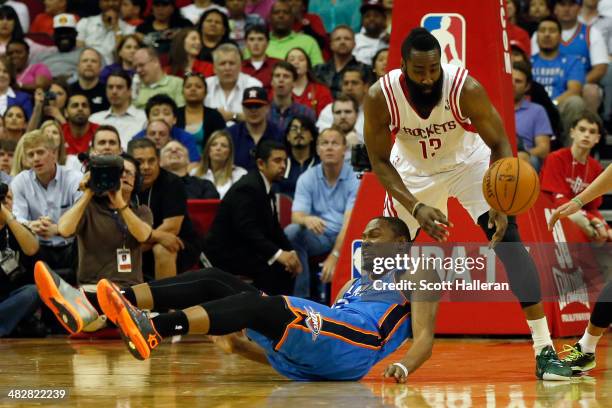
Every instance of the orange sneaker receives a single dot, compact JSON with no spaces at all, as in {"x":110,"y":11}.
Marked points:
{"x":135,"y":326}
{"x":68,"y":304}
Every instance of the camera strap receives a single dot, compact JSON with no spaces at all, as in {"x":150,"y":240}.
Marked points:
{"x":121,"y":226}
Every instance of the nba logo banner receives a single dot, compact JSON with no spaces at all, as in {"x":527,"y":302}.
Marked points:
{"x":449,"y":30}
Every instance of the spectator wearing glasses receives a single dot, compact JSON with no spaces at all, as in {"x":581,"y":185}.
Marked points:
{"x":152,"y":80}
{"x":301,"y":136}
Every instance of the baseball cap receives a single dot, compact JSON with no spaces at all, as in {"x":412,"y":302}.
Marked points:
{"x":255,"y":95}
{"x":64,"y":21}
{"x":372,"y":5}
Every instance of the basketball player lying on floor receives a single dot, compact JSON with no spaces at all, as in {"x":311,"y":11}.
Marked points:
{"x":301,"y":339}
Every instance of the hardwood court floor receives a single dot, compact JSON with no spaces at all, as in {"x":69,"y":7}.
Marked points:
{"x":194,"y":373}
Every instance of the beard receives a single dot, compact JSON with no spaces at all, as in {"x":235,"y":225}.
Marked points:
{"x":422,"y":98}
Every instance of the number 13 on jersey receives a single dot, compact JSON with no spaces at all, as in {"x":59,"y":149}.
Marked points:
{"x":430,"y":151}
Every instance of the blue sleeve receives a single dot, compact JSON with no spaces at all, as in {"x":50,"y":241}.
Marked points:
{"x":20,"y":203}
{"x":350,"y":203}
{"x":302,"y":201}
{"x":576,"y":71}
{"x":542,"y":123}
{"x":189,"y":142}
{"x":26,"y":104}
{"x":139,"y":135}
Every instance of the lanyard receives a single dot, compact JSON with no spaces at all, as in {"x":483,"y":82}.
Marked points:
{"x":121,"y":226}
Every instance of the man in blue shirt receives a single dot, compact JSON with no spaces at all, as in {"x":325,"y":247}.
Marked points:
{"x":283,"y":108}
{"x":255,"y":127}
{"x":532,"y":125}
{"x":162,"y":107}
{"x":42,"y":195}
{"x":324,"y":198}
{"x":561,"y":75}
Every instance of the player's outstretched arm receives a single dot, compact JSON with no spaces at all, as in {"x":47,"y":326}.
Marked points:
{"x":601,"y":185}
{"x":378,"y":141}
{"x":423,"y":310}
{"x":476,"y":105}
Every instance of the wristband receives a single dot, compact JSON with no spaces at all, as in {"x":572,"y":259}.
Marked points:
{"x":123,"y":208}
{"x":403,"y":367}
{"x":336,"y":254}
{"x":150,"y":235}
{"x":578,"y":201}
{"x":416,"y":207}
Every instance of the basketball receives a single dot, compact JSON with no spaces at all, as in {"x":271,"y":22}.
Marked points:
{"x":511,"y":186}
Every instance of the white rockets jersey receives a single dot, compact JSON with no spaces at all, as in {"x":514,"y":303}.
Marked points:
{"x":438,"y":143}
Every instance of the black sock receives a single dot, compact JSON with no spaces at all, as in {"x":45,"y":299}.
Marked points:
{"x":93,"y":299}
{"x":171,"y":324}
{"x":128,"y":293}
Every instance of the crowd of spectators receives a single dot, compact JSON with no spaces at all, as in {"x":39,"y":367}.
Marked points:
{"x":238,"y":100}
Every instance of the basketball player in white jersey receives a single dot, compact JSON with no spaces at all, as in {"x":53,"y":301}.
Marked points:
{"x":446,"y":133}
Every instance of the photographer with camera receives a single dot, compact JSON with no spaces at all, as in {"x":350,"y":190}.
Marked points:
{"x":109,"y":231}
{"x":18,"y":296}
{"x":41,"y":195}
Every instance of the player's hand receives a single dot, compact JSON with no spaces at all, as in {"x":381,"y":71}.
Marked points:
{"x":396,"y":372}
{"x":227,"y":342}
{"x":562,"y":211}
{"x":601,"y":232}
{"x":500,"y":222}
{"x":329,"y":267}
{"x":433,"y":222}
{"x":290,"y":261}
{"x":314,"y":224}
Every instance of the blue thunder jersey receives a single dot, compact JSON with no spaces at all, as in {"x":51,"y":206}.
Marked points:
{"x":578,"y":45}
{"x":342,"y":342}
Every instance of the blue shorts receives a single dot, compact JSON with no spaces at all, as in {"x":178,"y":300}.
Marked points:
{"x":324,"y":343}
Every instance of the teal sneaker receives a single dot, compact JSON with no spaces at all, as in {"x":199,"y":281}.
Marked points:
{"x":579,"y":361}
{"x":550,"y":368}
{"x":69,"y":305}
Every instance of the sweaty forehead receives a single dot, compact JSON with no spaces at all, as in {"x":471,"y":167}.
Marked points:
{"x":423,"y":58}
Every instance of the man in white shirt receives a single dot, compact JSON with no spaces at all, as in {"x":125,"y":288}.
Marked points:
{"x":576,"y":40}
{"x":592,"y":17}
{"x":126,"y":118}
{"x":225,"y":89}
{"x":373,"y":35}
{"x":104,"y":30}
{"x":355,"y":84}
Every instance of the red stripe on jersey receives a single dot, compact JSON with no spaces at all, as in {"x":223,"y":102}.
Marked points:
{"x":458,"y":96}
{"x":454,"y":101}
{"x":393,"y":102}
{"x":453,"y":90}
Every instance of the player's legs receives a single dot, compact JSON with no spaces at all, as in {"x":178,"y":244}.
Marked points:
{"x":582,"y":355}
{"x":466,"y":186}
{"x":306,"y":243}
{"x":267,"y":315}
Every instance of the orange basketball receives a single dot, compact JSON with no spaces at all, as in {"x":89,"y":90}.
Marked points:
{"x":511,"y":186}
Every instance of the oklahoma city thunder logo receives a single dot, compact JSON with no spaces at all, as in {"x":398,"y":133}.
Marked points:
{"x":314,"y":322}
{"x":449,"y":30}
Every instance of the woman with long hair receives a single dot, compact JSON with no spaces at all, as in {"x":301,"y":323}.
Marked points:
{"x":11,"y":29}
{"x":161,"y":25}
{"x":124,"y":57}
{"x":184,"y":52}
{"x":217,"y":164}
{"x":197,"y":119}
{"x":306,"y":89}
{"x":379,"y":63}
{"x":53,"y":131}
{"x":215,"y":30}
{"x":20,"y":161}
